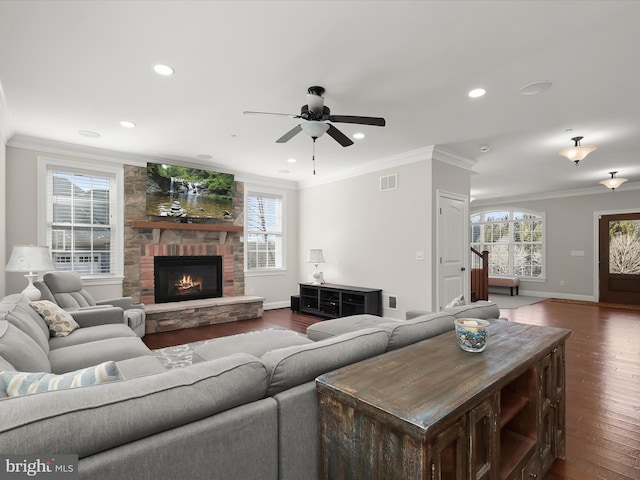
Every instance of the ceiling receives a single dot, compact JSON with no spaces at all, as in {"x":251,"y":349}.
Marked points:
{"x":68,"y":66}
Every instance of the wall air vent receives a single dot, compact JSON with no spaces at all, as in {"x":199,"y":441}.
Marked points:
{"x":389,"y":182}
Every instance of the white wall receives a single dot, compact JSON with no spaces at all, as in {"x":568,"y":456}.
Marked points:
{"x":571,"y":227}
{"x":277,"y":288}
{"x":4,"y":253}
{"x":370,"y":238}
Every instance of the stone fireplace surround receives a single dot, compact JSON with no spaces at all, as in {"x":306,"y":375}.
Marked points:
{"x":142,"y":244}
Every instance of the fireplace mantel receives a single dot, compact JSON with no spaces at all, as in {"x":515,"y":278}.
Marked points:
{"x":209,"y":227}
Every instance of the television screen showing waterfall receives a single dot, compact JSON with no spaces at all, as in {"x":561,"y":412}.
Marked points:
{"x":174,"y":191}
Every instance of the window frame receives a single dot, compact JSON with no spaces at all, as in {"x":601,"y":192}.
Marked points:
{"x":257,"y":191}
{"x":511,"y":243}
{"x":91,"y":168}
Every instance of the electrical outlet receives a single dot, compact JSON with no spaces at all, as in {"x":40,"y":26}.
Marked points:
{"x":393,"y":302}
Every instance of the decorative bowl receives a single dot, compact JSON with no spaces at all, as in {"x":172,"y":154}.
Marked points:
{"x":472,"y":333}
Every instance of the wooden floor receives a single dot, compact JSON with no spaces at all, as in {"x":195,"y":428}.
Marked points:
{"x":603,"y":379}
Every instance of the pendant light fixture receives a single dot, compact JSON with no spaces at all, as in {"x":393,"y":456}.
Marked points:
{"x":577,"y":152}
{"x":613,"y":182}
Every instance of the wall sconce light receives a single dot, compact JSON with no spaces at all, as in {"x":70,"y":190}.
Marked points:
{"x":613,"y":182}
{"x":32,"y":259}
{"x":316,"y":257}
{"x":577,"y":152}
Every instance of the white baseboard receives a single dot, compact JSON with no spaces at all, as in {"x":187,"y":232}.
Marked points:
{"x":566,"y":296}
{"x":275,"y":305}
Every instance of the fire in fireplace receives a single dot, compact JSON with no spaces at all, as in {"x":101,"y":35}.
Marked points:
{"x":187,"y":278}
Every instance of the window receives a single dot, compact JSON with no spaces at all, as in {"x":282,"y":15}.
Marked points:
{"x":82,"y":217}
{"x":263,"y":246}
{"x":514,"y":240}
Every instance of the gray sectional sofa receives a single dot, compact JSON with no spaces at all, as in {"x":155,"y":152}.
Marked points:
{"x":246,"y":409}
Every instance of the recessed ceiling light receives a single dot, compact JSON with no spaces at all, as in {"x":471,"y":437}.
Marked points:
{"x":291,"y":160}
{"x":535,"y":88}
{"x":358,"y":136}
{"x":477,"y":92}
{"x":284,"y":171}
{"x":164,"y":70}
{"x":127,"y":124}
{"x":484,"y":148}
{"x":89,"y":134}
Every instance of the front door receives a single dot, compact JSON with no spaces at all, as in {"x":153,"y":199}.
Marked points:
{"x":453,"y":247}
{"x":619,"y":258}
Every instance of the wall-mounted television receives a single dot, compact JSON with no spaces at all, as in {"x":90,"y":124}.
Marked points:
{"x":174,"y":191}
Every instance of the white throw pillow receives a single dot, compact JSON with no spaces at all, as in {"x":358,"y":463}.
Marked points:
{"x":26,"y":383}
{"x":456,"y":302}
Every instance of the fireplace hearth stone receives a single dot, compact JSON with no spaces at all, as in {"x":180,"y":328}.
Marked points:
{"x":164,"y":317}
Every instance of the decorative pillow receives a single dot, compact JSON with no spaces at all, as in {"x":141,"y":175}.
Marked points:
{"x":59,"y":321}
{"x":456,"y":302}
{"x":25,"y":383}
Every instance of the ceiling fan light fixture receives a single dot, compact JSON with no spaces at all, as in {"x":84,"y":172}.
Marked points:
{"x":613,"y":182}
{"x":577,"y":152}
{"x":314,"y":129}
{"x":358,"y":136}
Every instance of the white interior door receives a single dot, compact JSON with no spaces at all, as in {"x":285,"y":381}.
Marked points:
{"x":453,"y":248}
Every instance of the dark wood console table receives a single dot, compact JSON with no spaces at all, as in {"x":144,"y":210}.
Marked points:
{"x":433,"y":411}
{"x":332,"y":301}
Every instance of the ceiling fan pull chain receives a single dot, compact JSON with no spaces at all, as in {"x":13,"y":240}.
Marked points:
{"x":313,"y":155}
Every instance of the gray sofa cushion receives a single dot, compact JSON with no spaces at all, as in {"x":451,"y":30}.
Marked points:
{"x":117,"y":413}
{"x":20,"y":350}
{"x":480,"y":309}
{"x":68,"y":290}
{"x":338,"y":326}
{"x":139,"y":366}
{"x":237,"y":444}
{"x":417,"y":329}
{"x":293,"y":366}
{"x":19,"y":313}
{"x":253,"y":343}
{"x":75,"y":357}
{"x":91,"y":334}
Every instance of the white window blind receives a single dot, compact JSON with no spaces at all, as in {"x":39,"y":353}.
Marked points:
{"x":263,"y":246}
{"x":80,"y":220}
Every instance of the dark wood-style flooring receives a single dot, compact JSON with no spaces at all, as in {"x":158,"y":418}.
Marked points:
{"x":602,"y":369}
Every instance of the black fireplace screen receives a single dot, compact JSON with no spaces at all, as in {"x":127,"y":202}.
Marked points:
{"x":187,"y":278}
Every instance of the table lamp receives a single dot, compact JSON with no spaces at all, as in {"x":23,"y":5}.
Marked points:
{"x":32,"y":259}
{"x":316,"y":257}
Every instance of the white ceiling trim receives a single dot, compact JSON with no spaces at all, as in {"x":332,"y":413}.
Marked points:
{"x":122,"y":158}
{"x":553,"y":195}
{"x":6,"y":127}
{"x":434,"y":152}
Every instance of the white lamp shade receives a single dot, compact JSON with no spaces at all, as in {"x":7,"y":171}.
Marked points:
{"x":575,"y":154}
{"x":315,"y":256}
{"x":314,"y":129}
{"x":614,"y":182}
{"x":29,"y":258}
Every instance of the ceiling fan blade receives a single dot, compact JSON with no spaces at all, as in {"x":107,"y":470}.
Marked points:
{"x":246,"y":112}
{"x":376,"y":121}
{"x":290,"y":134}
{"x":339,"y":137}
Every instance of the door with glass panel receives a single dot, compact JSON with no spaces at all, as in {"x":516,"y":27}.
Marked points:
{"x":619,"y":258}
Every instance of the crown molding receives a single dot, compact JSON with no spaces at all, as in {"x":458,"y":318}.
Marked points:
{"x":577,"y":192}
{"x":123,"y":158}
{"x":6,"y":125}
{"x":427,"y":153}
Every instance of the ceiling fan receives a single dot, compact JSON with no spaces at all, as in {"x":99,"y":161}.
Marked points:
{"x":315,"y":117}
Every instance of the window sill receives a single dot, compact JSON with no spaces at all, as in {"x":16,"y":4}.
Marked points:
{"x":106,"y":280}
{"x":265,"y":273}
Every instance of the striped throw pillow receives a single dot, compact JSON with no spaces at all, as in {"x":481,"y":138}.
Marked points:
{"x":59,"y":321}
{"x":25,"y":383}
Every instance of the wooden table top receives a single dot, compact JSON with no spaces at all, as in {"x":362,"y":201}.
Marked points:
{"x":417,"y":386}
